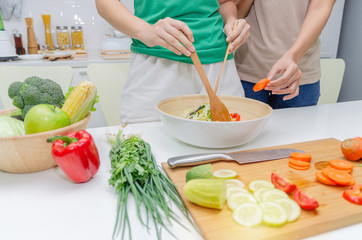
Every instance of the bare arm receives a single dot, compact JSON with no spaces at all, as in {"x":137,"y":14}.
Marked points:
{"x":116,"y":14}
{"x":169,"y":33}
{"x":243,"y":7}
{"x":240,"y":35}
{"x":315,"y":20}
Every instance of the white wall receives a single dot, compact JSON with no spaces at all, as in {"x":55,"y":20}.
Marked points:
{"x":63,"y":13}
{"x":83,"y":12}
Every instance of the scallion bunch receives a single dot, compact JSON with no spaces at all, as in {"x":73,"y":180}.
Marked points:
{"x":135,"y":171}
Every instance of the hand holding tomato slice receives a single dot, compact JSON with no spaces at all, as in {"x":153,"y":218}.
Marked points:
{"x":354,"y":194}
{"x":304,"y":201}
{"x":282,"y":183}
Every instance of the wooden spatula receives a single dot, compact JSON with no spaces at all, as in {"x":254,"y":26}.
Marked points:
{"x":223,"y":64}
{"x":218,"y":110}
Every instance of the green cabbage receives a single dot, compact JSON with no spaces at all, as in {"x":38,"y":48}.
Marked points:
{"x":10,"y":126}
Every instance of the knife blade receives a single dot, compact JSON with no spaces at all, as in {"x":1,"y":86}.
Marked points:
{"x":239,"y":157}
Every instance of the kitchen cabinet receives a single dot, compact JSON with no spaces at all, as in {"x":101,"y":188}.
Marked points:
{"x":80,"y":74}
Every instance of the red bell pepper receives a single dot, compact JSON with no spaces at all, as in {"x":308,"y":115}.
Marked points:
{"x":76,"y":154}
{"x":235,"y":117}
{"x":354,"y":194}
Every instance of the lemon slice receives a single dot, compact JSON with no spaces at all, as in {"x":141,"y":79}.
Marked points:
{"x":232,"y":190}
{"x":291,"y":207}
{"x":256,"y":184}
{"x":273,"y":214}
{"x":234,"y":183}
{"x":248,"y":214}
{"x":238,"y":198}
{"x":225,"y":174}
{"x":270,"y":195}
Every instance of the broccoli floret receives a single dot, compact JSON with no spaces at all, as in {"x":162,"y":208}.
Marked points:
{"x":34,"y":91}
{"x":14,"y":89}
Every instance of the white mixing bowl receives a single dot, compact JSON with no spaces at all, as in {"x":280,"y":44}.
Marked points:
{"x":254,"y":116}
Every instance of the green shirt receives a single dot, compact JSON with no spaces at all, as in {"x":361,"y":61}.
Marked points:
{"x":201,"y":16}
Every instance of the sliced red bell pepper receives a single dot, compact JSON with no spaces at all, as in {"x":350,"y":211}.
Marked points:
{"x":354,"y":194}
{"x":235,"y":117}
{"x":76,"y":154}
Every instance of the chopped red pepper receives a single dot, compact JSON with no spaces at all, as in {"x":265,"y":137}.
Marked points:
{"x":76,"y":154}
{"x":235,"y":117}
{"x":354,"y":194}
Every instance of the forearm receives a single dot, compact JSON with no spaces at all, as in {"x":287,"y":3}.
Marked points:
{"x":316,"y":18}
{"x":228,"y":11}
{"x":243,"y":8}
{"x":115,"y":13}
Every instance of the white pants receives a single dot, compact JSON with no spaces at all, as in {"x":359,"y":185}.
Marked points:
{"x":152,"y":79}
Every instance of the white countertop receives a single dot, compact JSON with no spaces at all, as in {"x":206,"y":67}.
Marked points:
{"x":93,"y":56}
{"x":46,"y":205}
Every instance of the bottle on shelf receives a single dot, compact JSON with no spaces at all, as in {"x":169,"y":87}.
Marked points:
{"x":19,"y":48}
{"x":77,"y":37}
{"x":62,"y":36}
{"x":48,"y":33}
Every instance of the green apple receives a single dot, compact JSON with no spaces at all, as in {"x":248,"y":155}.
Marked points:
{"x":45,"y":117}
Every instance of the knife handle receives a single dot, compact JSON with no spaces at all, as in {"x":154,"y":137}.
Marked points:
{"x":196,"y":159}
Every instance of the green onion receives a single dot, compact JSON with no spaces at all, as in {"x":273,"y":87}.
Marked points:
{"x":134,"y":170}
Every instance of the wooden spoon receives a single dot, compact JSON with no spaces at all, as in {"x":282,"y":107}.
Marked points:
{"x":218,"y":110}
{"x":223,"y":64}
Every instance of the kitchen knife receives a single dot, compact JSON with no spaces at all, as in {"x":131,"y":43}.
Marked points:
{"x":240,"y":157}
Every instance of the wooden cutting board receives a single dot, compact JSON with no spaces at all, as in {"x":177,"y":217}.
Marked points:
{"x":334,"y":211}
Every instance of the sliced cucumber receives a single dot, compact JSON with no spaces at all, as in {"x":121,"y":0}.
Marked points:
{"x":270,"y":195}
{"x":273,"y":214}
{"x":225,"y":174}
{"x":238,"y":198}
{"x":291,"y":207}
{"x":256,"y":184}
{"x":234,"y":183}
{"x":257,"y":194}
{"x":231,"y":190}
{"x":248,"y":214}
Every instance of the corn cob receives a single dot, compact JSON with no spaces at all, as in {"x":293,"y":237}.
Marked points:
{"x":80,"y":101}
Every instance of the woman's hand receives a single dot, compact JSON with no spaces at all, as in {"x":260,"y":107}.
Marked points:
{"x":288,"y":82}
{"x":171,"y":34}
{"x":240,"y":34}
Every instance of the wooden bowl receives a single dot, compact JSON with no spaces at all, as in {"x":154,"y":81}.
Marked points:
{"x":254,"y":116}
{"x":32,"y":153}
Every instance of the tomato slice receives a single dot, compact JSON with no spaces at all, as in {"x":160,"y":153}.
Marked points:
{"x":282,"y":183}
{"x":304,"y":201}
{"x":354,"y":194}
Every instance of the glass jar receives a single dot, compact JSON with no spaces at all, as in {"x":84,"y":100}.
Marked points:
{"x":19,"y":44}
{"x":78,"y":47}
{"x":62,"y":36}
{"x":77,"y":37}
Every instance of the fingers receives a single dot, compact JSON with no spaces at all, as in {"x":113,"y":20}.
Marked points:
{"x":175,"y":36}
{"x":239,"y":35}
{"x":291,"y":87}
{"x":291,"y":74}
